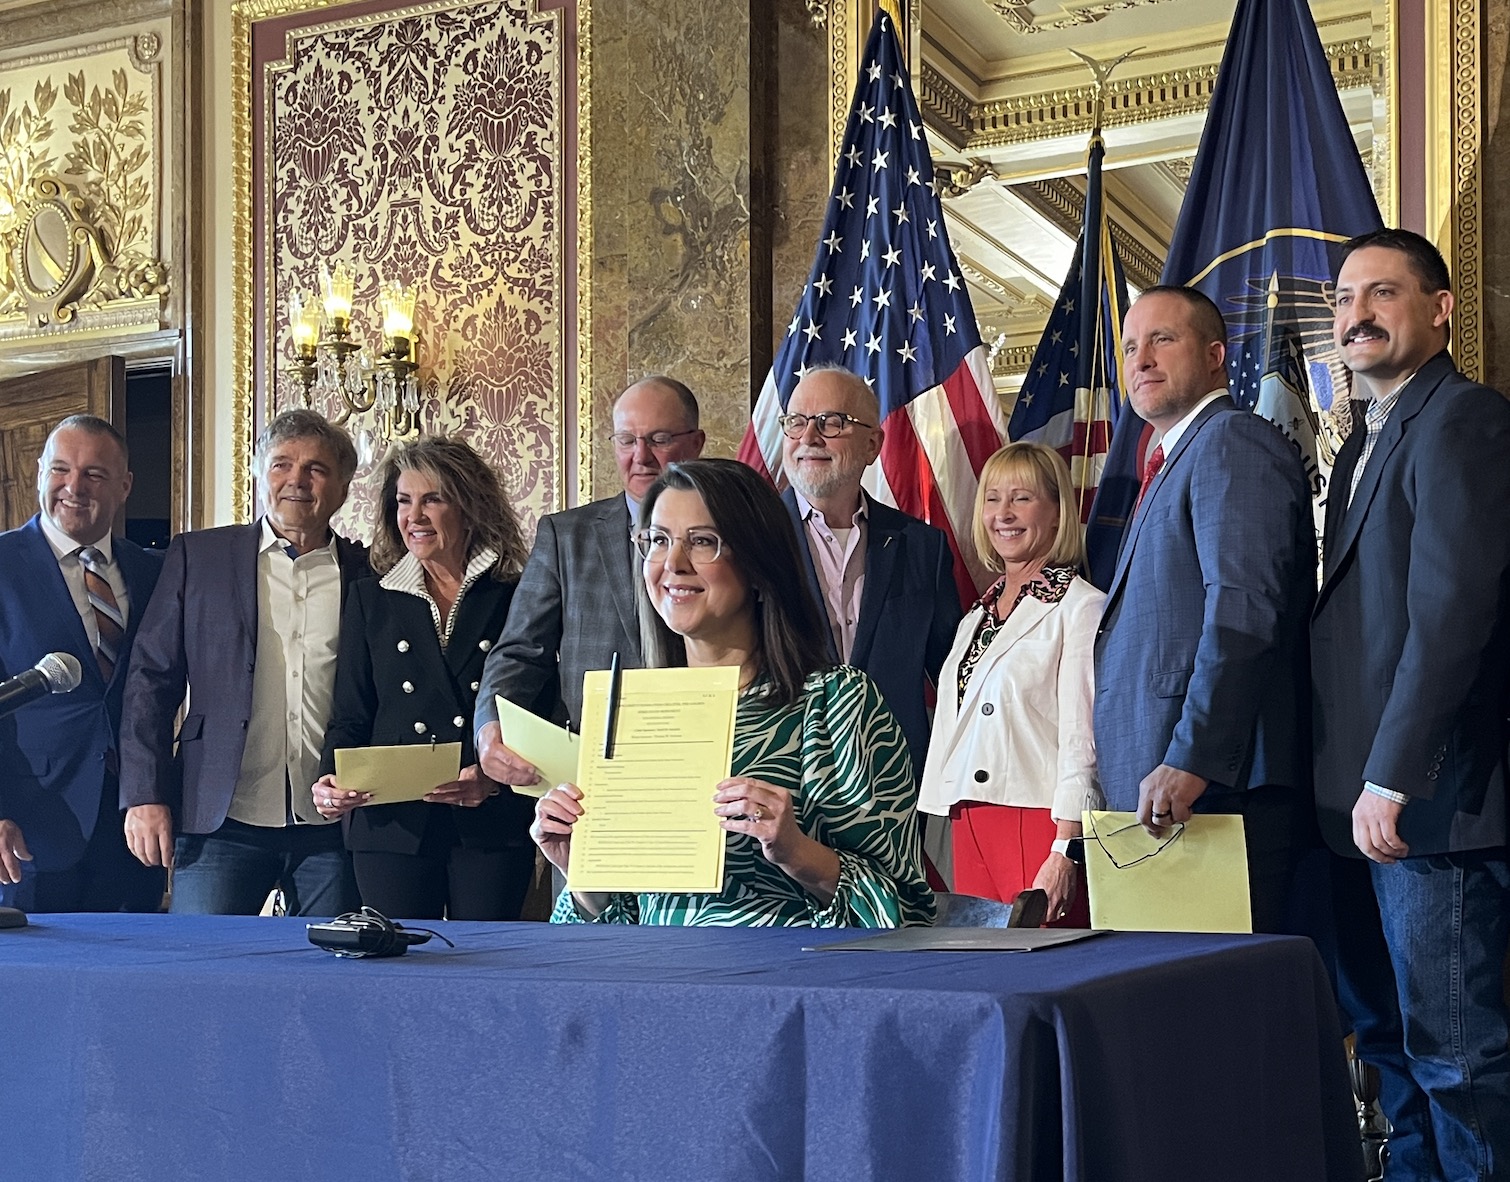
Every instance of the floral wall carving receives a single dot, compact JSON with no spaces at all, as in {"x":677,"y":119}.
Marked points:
{"x":426,"y":145}
{"x":91,"y":117}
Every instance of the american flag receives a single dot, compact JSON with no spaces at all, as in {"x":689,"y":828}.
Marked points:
{"x":1064,"y":403}
{"x":885,"y":299}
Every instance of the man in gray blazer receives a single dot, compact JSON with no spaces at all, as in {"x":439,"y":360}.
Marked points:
{"x":574,"y":607}
{"x":1201,"y":664}
{"x":1410,"y":652}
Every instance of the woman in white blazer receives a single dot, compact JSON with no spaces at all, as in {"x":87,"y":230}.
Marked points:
{"x":1012,"y":760}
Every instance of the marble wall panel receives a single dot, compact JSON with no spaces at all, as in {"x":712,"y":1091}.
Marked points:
{"x":799,"y":151}
{"x":671,"y":182}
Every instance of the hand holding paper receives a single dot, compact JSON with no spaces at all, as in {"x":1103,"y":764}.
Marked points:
{"x":391,"y":774}
{"x":648,"y":820}
{"x":552,"y":749}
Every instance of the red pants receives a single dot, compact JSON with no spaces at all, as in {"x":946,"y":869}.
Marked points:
{"x":998,"y":849}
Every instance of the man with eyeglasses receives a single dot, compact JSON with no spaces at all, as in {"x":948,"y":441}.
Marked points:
{"x":575,"y":607}
{"x":885,"y":580}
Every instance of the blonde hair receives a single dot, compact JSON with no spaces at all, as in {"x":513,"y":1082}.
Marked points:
{"x":1041,"y":468}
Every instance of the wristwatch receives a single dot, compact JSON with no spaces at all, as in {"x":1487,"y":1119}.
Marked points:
{"x":1072,"y":848}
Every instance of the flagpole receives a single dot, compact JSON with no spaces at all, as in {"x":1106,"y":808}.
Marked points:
{"x":1090,"y":246}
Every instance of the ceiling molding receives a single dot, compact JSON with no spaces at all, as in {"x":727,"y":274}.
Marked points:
{"x":1020,"y":17}
{"x":946,"y":108}
{"x":1063,"y":204}
{"x":975,"y":126}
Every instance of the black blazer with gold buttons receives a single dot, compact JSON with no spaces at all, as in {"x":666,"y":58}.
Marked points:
{"x":396,"y":685}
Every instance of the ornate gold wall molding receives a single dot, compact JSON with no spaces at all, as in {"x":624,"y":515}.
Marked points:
{"x":82,"y":234}
{"x":1454,"y":141}
{"x":585,"y":251}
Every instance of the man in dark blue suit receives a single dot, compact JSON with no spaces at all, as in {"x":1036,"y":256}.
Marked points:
{"x":67,"y":585}
{"x":1410,"y":652}
{"x":885,"y":580}
{"x":1202,"y":675}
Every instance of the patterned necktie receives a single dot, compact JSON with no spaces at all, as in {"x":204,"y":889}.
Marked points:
{"x":1150,"y":470}
{"x":107,"y":613}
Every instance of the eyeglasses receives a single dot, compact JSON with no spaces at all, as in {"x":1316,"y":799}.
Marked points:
{"x":701,"y":546}
{"x":831,"y":424}
{"x":624,"y":441}
{"x":1164,"y":843}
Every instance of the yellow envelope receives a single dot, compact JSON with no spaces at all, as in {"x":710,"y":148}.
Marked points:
{"x":1192,"y":879}
{"x":392,"y":774}
{"x":552,"y":749}
{"x":648,"y":822}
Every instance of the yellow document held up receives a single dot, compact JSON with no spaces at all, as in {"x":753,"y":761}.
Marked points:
{"x":392,"y":774}
{"x":552,"y":749}
{"x":1193,"y":878}
{"x":648,"y":822}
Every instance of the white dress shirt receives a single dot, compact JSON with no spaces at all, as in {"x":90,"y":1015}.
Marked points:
{"x":1172,"y":436}
{"x":298,"y":637}
{"x":67,"y":552}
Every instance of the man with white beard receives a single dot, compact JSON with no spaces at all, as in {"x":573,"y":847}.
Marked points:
{"x":885,"y":580}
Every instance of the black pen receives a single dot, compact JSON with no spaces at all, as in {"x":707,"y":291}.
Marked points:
{"x":615,"y":676}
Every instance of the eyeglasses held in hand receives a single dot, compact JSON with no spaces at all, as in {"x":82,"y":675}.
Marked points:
{"x":624,"y":441}
{"x":1164,"y":843}
{"x":831,"y":424}
{"x":701,"y":546}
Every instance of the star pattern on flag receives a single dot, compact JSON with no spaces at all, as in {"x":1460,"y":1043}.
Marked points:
{"x":898,"y":299}
{"x":885,"y":300}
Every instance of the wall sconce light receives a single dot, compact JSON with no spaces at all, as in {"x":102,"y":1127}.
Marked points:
{"x":329,"y":362}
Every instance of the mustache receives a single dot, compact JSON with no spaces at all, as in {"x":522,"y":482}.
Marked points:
{"x":1364,"y":326}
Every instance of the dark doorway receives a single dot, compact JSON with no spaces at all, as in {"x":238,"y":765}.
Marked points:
{"x":149,"y":432}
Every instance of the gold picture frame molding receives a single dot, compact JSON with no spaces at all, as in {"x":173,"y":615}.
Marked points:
{"x":578,"y":422}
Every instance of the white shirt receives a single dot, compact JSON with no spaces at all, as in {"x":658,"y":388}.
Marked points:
{"x":293,"y":681}
{"x":1172,"y":436}
{"x":66,"y":550}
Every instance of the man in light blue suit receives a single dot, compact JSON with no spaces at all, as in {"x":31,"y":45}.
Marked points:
{"x":67,"y":586}
{"x":1202,"y":668}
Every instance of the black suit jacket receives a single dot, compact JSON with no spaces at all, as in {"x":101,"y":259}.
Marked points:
{"x":55,"y":754}
{"x":393,"y":679}
{"x":1410,"y":636}
{"x":909,"y":610}
{"x":573,"y":610}
{"x":200,"y":632}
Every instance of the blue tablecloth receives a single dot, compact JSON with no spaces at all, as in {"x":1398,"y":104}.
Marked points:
{"x":166,"y":1048}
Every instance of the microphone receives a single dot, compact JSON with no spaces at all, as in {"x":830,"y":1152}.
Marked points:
{"x":56,"y":673}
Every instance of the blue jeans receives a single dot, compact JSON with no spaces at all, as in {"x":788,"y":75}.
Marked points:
{"x":1421,"y":952}
{"x":231,"y":871}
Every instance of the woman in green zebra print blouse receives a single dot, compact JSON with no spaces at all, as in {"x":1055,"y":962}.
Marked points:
{"x":820,"y":810}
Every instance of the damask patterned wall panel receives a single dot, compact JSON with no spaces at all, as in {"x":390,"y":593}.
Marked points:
{"x":432,"y":144}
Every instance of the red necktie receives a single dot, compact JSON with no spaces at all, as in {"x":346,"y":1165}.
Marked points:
{"x":1150,"y":470}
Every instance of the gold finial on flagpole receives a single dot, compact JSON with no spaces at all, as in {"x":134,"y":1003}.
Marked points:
{"x":1101,"y":71}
